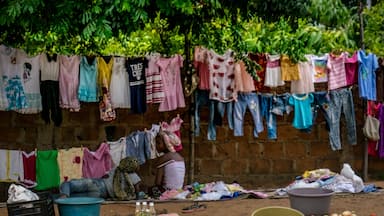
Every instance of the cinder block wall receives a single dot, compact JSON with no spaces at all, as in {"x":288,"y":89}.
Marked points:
{"x":253,"y":162}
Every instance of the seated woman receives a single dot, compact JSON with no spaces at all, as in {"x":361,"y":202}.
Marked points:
{"x":170,"y":167}
{"x":121,"y":183}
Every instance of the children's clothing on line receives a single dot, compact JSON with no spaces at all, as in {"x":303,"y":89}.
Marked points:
{"x":69,"y":82}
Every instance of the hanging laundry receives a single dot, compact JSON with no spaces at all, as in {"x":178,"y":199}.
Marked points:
{"x":320,"y":70}
{"x":243,"y":80}
{"x":289,"y":69}
{"x":336,"y":71}
{"x":222,"y":76}
{"x":302,"y":109}
{"x":136,"y":68}
{"x":97,"y":163}
{"x":69,"y":82}
{"x":138,"y":146}
{"x":88,"y":89}
{"x":151,"y":137}
{"x":305,"y":83}
{"x":374,"y":110}
{"x":341,"y":101}
{"x":6,"y":58}
{"x":154,"y":83}
{"x":351,"y":69}
{"x":49,"y":89}
{"x":273,"y":71}
{"x":380,"y":81}
{"x":12,"y":72}
{"x":31,"y":82}
{"x":380,"y":147}
{"x":118,"y":151}
{"x":11,"y":166}
{"x":120,"y":92}
{"x":47,"y":170}
{"x":368,"y":64}
{"x":246,"y":100}
{"x":175,"y":127}
{"x":261,"y":60}
{"x":200,"y":63}
{"x":266,"y":106}
{"x":104,"y":70}
{"x":107,"y":111}
{"x":29,"y":166}
{"x":202,"y":99}
{"x":70,"y":163}
{"x":171,"y":77}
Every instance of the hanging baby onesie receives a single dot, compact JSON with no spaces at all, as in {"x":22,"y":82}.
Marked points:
{"x":273,"y":72}
{"x":29,"y":166}
{"x":88,"y":91}
{"x":336,"y":73}
{"x":11,"y":72}
{"x":289,"y":69}
{"x":70,"y":163}
{"x":69,"y":82}
{"x":120,"y":93}
{"x":302,"y":109}
{"x":136,"y":72}
{"x":222,"y":84}
{"x":97,"y":164}
{"x":368,"y":65}
{"x":170,"y":75}
{"x":305,"y":83}
{"x":49,"y":89}
{"x":47,"y":170}
{"x":174,"y":126}
{"x":320,"y":70}
{"x":107,"y":112}
{"x":31,"y":82}
{"x":11,"y":166}
{"x":200,"y":63}
{"x":154,"y":84}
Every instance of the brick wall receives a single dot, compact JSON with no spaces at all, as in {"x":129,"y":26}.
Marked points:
{"x":253,"y":162}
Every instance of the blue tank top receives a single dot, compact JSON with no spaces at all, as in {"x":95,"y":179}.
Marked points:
{"x":88,"y":80}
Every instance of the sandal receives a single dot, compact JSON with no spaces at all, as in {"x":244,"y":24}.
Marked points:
{"x":193,"y":208}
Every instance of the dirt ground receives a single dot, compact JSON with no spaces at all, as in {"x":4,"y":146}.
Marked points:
{"x":362,"y":204}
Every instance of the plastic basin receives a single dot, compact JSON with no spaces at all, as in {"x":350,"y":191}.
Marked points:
{"x":79,"y":206}
{"x":276,"y":211}
{"x":310,"y":201}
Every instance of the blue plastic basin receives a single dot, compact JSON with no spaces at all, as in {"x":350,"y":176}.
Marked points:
{"x":79,"y":206}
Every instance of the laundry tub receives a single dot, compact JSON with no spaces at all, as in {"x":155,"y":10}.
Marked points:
{"x":275,"y":211}
{"x":310,"y":201}
{"x":79,"y":206}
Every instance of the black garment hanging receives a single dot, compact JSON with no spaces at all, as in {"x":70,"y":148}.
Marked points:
{"x":50,"y":102}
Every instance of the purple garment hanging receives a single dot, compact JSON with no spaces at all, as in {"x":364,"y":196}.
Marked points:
{"x":97,"y":164}
{"x":381,"y":141}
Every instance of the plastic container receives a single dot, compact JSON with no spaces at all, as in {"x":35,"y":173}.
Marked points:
{"x":276,"y":210}
{"x":42,"y":207}
{"x":310,"y":201}
{"x":79,"y":206}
